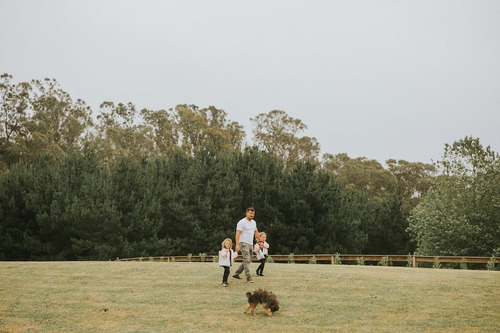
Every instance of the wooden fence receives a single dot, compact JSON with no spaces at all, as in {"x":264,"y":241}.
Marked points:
{"x":410,"y":260}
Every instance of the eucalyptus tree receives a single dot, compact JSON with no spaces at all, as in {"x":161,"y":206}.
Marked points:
{"x":14,"y":106}
{"x":361,"y":174}
{"x":278,"y":133}
{"x":206,"y":127}
{"x":58,"y":124}
{"x":461,"y":213}
{"x":380,"y":195}
{"x":222,"y":134}
{"x":162,"y":130}
{"x":39,"y":117}
{"x":120,"y":132}
{"x":413,"y":181}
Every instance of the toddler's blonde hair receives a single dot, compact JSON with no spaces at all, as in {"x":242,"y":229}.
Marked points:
{"x":262,"y":233}
{"x":224,"y":242}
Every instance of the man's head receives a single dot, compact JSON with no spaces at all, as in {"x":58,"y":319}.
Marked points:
{"x":250,"y":213}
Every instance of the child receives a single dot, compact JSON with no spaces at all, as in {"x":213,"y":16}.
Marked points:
{"x":260,"y":250}
{"x":226,"y":259}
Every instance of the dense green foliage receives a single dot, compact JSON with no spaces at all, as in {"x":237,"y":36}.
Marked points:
{"x":78,"y":208}
{"x":173,"y":182}
{"x":461,"y":214}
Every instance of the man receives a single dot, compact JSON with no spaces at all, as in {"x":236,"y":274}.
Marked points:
{"x":245,"y":231}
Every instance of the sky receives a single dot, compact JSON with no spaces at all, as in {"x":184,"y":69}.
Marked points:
{"x":384,"y":79}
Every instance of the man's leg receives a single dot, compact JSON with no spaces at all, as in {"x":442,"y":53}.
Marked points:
{"x":241,"y":267}
{"x":238,"y":270}
{"x":246,"y":252}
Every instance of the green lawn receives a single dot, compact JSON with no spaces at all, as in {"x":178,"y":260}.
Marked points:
{"x":187,"y":297}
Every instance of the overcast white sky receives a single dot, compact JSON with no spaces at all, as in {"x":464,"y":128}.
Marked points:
{"x":378,"y":79}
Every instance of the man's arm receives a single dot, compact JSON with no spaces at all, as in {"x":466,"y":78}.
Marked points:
{"x":257,"y":235}
{"x":237,"y":240}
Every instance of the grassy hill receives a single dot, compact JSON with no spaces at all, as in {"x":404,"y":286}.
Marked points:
{"x":188,"y":297}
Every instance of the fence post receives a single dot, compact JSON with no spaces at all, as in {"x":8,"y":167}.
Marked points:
{"x":414,"y":260}
{"x":332,"y":259}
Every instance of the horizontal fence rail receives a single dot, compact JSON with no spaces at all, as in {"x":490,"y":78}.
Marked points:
{"x":411,"y":260}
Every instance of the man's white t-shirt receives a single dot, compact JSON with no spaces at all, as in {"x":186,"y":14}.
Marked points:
{"x":247,"y":230}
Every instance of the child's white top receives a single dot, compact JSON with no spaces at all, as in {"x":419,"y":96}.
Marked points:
{"x":224,"y":257}
{"x":261,"y":253}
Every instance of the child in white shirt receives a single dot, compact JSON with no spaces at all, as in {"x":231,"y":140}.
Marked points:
{"x":261,"y":251}
{"x":226,"y":259}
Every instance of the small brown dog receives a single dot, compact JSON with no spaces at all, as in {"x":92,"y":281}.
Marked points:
{"x":268,"y":300}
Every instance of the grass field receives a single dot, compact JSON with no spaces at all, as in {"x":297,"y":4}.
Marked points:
{"x":187,"y":297}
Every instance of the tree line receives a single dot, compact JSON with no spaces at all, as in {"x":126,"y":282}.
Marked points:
{"x":75,"y":186}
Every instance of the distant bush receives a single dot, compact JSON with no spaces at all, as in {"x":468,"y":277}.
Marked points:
{"x":409,"y":260}
{"x":491,"y":263}
{"x":463,"y":264}
{"x":385,"y":261}
{"x":436,"y":264}
{"x":338,"y":261}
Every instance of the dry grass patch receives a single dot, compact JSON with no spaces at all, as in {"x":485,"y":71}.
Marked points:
{"x":187,"y":297}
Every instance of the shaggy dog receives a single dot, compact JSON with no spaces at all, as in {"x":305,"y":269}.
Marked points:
{"x":266,"y":298}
